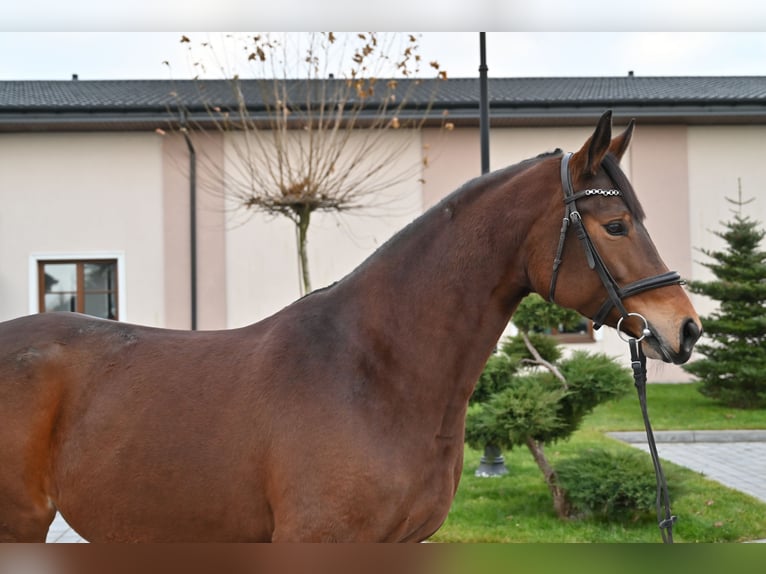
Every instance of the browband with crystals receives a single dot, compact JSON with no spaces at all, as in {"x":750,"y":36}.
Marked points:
{"x":606,"y":192}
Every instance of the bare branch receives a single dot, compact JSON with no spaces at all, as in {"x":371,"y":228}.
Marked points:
{"x":542,"y":362}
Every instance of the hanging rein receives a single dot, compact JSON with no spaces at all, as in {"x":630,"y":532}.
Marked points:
{"x":616,"y":294}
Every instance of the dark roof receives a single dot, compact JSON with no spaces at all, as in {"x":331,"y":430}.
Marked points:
{"x":146,"y":104}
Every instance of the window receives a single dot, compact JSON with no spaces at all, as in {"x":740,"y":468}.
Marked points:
{"x":84,"y":286}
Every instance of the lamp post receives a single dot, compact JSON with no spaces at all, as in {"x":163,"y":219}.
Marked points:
{"x":492,"y":463}
{"x":483,"y":103}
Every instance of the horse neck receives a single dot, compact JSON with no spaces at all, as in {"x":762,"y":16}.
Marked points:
{"x":434,"y":300}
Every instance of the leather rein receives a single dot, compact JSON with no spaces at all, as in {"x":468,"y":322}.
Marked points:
{"x":615,"y":295}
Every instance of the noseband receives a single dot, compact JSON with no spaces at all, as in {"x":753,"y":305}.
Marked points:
{"x":572,"y":217}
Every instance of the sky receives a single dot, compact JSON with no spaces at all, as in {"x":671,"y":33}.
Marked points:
{"x":51,"y":40}
{"x":45,"y":55}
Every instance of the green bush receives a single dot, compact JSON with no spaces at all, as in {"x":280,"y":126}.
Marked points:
{"x":536,"y":314}
{"x":612,"y":486}
{"x":592,"y":378}
{"x":510,"y":406}
{"x":509,"y":417}
{"x":497,"y":375}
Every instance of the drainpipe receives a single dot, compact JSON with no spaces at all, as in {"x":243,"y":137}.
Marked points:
{"x":192,"y":221}
{"x":483,"y":103}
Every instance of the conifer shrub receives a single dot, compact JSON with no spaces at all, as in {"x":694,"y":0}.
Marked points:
{"x":617,"y":486}
{"x":733,"y":367}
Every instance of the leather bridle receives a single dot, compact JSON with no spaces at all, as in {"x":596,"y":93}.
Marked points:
{"x":616,"y":294}
{"x":572,"y":217}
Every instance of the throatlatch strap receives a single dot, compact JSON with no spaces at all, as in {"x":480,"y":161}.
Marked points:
{"x":665,"y":519}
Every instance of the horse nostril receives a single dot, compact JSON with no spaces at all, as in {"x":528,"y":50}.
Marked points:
{"x":690,"y":332}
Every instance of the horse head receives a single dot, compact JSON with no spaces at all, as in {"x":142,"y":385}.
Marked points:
{"x":606,"y":265}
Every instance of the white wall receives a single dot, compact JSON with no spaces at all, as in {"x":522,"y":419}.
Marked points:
{"x":85,"y":193}
{"x":82,"y":193}
{"x":718,"y":156}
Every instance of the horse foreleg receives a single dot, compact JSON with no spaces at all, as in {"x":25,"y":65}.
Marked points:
{"x":26,"y":512}
{"x":26,"y":509}
{"x":23,"y":520}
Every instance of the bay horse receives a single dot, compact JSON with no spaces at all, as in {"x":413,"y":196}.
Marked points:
{"x":341,"y":417}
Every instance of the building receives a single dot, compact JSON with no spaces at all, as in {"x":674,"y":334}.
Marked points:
{"x":95,"y":201}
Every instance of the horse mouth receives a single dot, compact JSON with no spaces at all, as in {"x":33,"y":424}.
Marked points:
{"x":653,"y":346}
{"x":664,"y":353}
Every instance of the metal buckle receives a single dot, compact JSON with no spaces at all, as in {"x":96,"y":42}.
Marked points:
{"x":646,"y":332}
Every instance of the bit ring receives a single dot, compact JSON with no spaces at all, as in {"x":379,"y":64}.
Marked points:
{"x":646,"y":332}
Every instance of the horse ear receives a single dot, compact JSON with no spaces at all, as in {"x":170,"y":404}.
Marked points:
{"x":620,"y":143}
{"x":588,"y":159}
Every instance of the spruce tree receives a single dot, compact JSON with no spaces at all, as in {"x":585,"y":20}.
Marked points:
{"x":733,"y":370}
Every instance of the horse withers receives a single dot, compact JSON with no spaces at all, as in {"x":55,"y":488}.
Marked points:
{"x":341,"y":417}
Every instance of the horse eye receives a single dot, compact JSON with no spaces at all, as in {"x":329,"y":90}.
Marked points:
{"x":616,"y":228}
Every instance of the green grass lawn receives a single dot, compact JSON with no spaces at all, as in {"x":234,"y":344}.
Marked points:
{"x":673,"y":407}
{"x":519,"y":508}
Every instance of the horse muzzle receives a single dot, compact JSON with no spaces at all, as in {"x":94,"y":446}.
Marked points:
{"x":656,"y":347}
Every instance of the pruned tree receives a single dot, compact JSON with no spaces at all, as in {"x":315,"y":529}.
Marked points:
{"x":308,"y":124}
{"x":528,"y":395}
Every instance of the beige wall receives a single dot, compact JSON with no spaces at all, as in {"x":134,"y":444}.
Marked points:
{"x":82,"y":193}
{"x":660,"y":175}
{"x":453,"y":158}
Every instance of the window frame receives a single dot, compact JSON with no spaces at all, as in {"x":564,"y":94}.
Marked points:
{"x":36,"y":281}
